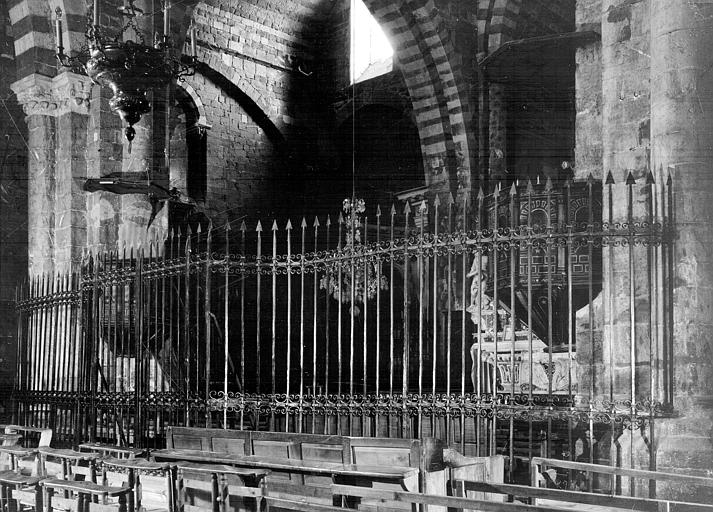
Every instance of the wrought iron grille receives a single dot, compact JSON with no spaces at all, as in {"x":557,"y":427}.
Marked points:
{"x":375,"y":322}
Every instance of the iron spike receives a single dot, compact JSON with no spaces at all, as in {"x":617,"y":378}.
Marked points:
{"x":590,"y":179}
{"x":497,"y":190}
{"x":340,"y":219}
{"x":228,"y":226}
{"x":610,"y":179}
{"x":423,"y":207}
{"x":437,"y":201}
{"x":274,"y":225}
{"x":393,"y":209}
{"x":304,"y":223}
{"x":451,"y":200}
{"x":189,"y":231}
{"x":378,"y":210}
{"x":180,"y":234}
{"x":170,"y":234}
{"x":530,"y":189}
{"x":316,"y":222}
{"x":548,"y":184}
{"x":669,"y":180}
{"x":630,"y":179}
{"x":199,"y":229}
{"x":288,"y":226}
{"x":243,"y":227}
{"x":407,"y":208}
{"x":513,"y":190}
{"x":259,"y":227}
{"x":329,"y":220}
{"x":650,"y":178}
{"x":481,"y":194}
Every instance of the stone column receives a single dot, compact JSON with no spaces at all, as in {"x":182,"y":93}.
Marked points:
{"x":71,"y":169}
{"x":105,"y":146}
{"x":56,"y":110}
{"x":625,"y":121}
{"x":682,"y":135}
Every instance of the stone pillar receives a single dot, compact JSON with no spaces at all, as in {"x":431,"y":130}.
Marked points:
{"x":56,"y":110}
{"x":588,"y":80}
{"x":682,"y":135}
{"x":70,"y":170}
{"x":105,"y":146}
{"x":625,"y":146}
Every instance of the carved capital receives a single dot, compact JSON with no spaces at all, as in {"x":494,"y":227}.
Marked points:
{"x":42,"y":95}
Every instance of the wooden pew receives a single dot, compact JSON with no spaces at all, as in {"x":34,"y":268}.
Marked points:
{"x":152,"y":483}
{"x":228,"y":488}
{"x":28,"y":437}
{"x":314,"y":450}
{"x":110,"y":450}
{"x":295,"y":446}
{"x":32,"y":437}
{"x":578,"y":500}
{"x":540,"y":464}
{"x":407,"y":499}
{"x":80,"y":495}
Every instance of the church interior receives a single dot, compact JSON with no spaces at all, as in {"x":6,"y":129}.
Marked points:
{"x":374,"y":254}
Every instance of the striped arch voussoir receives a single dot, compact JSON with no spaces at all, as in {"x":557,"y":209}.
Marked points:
{"x":425,"y":55}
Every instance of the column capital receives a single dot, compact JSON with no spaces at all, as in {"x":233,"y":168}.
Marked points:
{"x":42,"y":95}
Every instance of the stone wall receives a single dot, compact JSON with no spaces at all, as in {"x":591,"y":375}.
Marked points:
{"x":13,"y":201}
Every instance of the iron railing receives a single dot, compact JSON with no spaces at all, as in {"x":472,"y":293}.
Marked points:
{"x":377,"y":322}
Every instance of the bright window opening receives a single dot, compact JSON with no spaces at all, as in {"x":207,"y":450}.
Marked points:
{"x":371,"y":52}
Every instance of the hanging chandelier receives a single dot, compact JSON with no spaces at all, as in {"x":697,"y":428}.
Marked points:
{"x":126,"y":63}
{"x":358,"y":282}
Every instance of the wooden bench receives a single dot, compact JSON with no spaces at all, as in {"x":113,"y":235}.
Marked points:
{"x":307,"y":447}
{"x":67,"y":464}
{"x":221,"y":482}
{"x":81,"y":496}
{"x":152,"y":482}
{"x":28,"y":437}
{"x":389,"y":499}
{"x":539,"y":465}
{"x":318,"y":493}
{"x":295,"y":446}
{"x":33,"y":437}
{"x":578,"y":500}
{"x":22,"y":459}
{"x":17,"y":490}
{"x":110,"y":450}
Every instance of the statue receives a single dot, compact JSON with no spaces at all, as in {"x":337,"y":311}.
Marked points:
{"x":481,"y":306}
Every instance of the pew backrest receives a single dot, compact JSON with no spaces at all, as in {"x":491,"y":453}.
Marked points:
{"x":308,"y":447}
{"x":208,"y":439}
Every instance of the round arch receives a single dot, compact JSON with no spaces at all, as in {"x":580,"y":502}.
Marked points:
{"x":434,"y":76}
